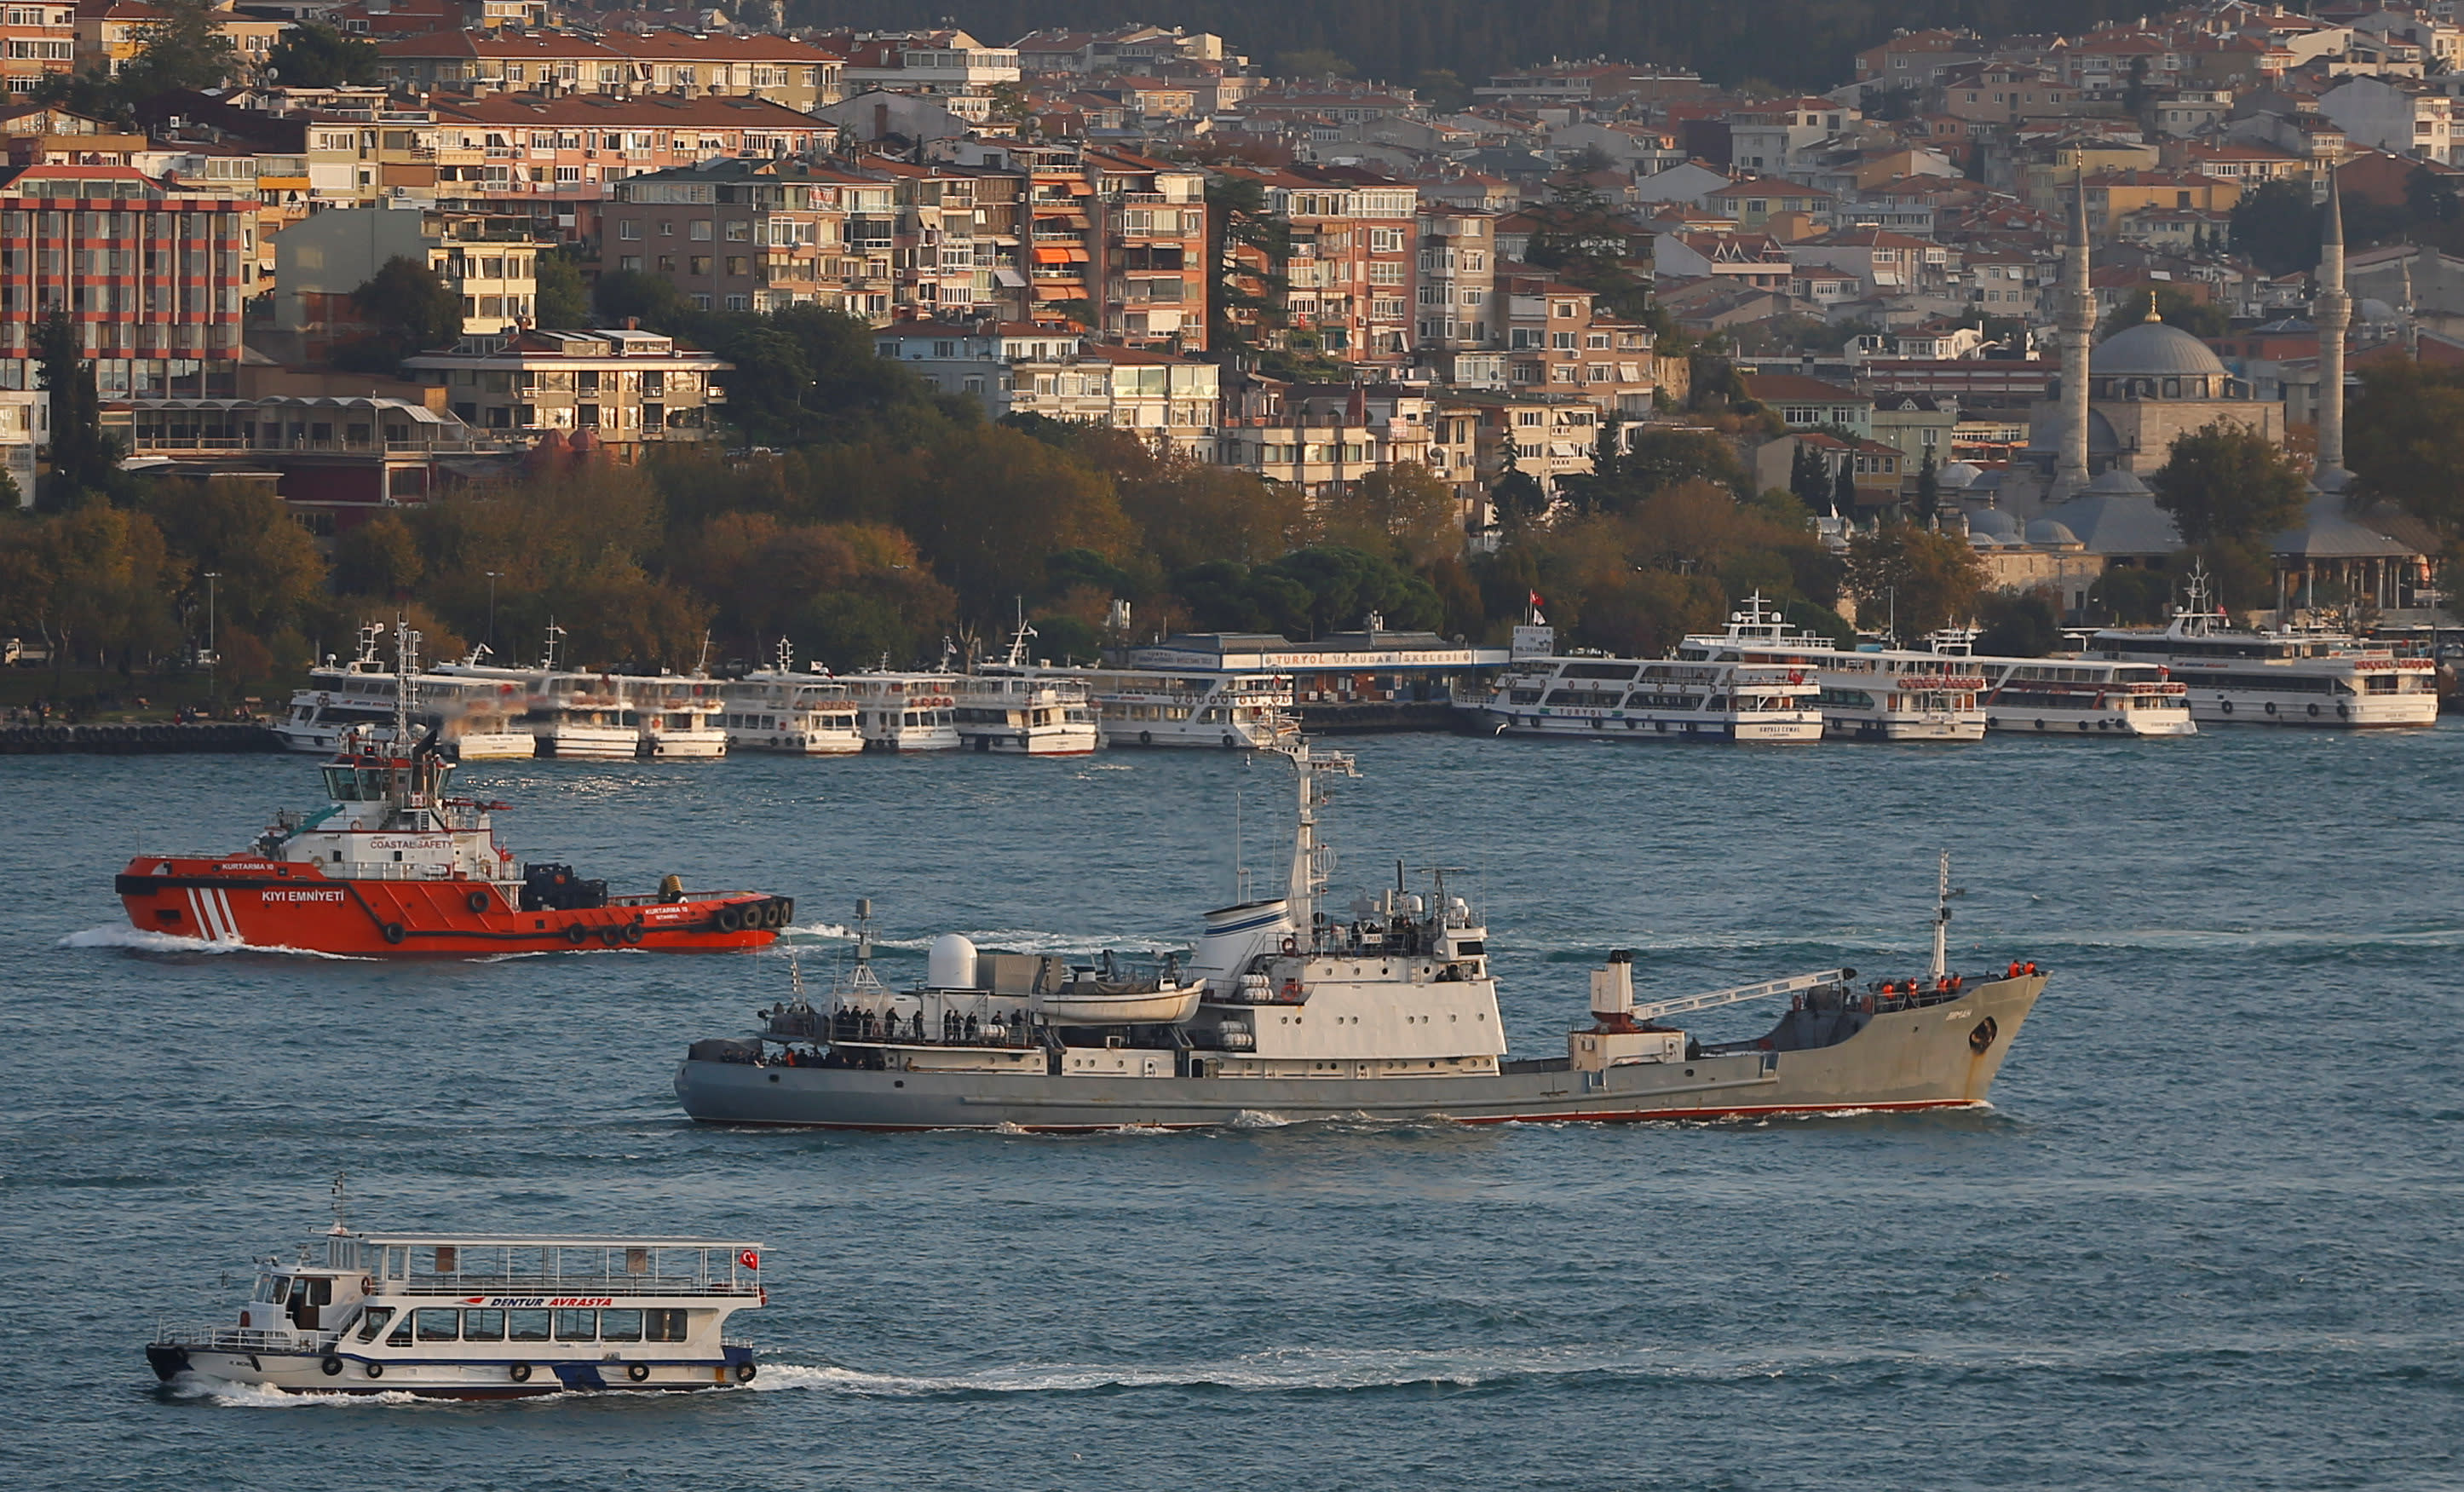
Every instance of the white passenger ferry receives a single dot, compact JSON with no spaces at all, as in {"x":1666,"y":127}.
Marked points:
{"x":2309,"y":679}
{"x":2068,"y":695}
{"x":1144,"y":707}
{"x":1872,"y":694}
{"x":1012,"y":712}
{"x":905,"y":711}
{"x":475,"y":1316}
{"x":476,"y":720}
{"x":1687,"y":698}
{"x":803,"y":714}
{"x":675,"y":719}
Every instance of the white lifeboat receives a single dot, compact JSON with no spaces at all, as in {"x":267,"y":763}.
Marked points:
{"x":1094,"y":1002}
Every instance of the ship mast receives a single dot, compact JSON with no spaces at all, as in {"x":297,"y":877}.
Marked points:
{"x":406,"y":686}
{"x":1942,"y":922}
{"x":1311,"y":861}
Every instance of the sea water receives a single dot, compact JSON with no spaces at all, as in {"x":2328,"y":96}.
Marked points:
{"x":2205,"y":1236}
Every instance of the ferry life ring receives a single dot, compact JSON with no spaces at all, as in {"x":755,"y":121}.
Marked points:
{"x":633,"y":932}
{"x":1291,"y":945}
{"x":2341,"y":711}
{"x":373,"y":1369}
{"x":2225,"y":705}
{"x":637,"y":1372}
{"x":1146,"y":737}
{"x":519,"y":1372}
{"x":2314,"y":711}
{"x":1228,"y":741}
{"x":330,"y":1367}
{"x":393,"y":932}
{"x":576,"y":934}
{"x":476,"y":901}
{"x":744,"y":1373}
{"x":2271,"y":707}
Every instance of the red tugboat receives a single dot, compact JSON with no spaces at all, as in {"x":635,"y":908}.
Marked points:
{"x":395,"y":868}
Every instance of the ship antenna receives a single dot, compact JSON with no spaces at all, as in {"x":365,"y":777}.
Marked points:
{"x":1942,"y":921}
{"x":863,"y":935}
{"x":341,"y":1202}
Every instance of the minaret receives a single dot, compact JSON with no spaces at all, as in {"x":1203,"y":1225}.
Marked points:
{"x":2332,"y":308}
{"x":2078,"y":334}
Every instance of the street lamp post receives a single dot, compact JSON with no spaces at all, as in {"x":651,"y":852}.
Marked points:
{"x":213,"y":691}
{"x":492,"y":577}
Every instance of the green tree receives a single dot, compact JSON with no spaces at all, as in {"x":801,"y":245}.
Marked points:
{"x":1238,"y":317}
{"x":2226,"y":482}
{"x":1928,"y":498}
{"x":271,"y":569}
{"x":1403,"y":512}
{"x":2404,"y":439}
{"x":1312,"y":62}
{"x":563,"y":303}
{"x":2128,"y":595}
{"x":378,"y":557}
{"x":1517,"y":494}
{"x":993,"y":502}
{"x":1923,"y":580}
{"x":2018,"y":627}
{"x":84,"y":460}
{"x":1443,"y":90}
{"x":411,"y":309}
{"x":184,"y":48}
{"x":2277,"y":226}
{"x":1844,"y":490}
{"x":633,"y":296}
{"x":314,"y":54}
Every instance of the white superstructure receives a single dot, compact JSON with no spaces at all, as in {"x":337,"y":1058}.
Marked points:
{"x":1146,"y":707}
{"x":1872,"y":694}
{"x":1698,"y":698}
{"x":2073,"y":696}
{"x":905,"y":711}
{"x":676,"y":717}
{"x":475,"y":719}
{"x":803,"y":714}
{"x":1011,"y":712}
{"x":480,"y":1316}
{"x":2308,"y":678}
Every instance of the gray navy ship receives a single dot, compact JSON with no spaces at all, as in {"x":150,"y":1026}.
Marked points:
{"x":1283,"y":1013}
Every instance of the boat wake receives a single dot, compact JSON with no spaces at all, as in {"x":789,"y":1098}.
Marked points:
{"x":257,"y":1396}
{"x":137,"y":940}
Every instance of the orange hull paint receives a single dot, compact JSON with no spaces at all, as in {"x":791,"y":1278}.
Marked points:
{"x":270,"y":903}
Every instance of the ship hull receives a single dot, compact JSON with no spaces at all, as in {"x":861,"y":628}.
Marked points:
{"x":267,"y":904}
{"x":1923,"y":1058}
{"x":349,"y":1372}
{"x":1645,"y":726}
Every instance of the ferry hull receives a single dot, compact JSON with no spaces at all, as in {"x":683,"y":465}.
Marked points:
{"x":1647,"y":727}
{"x":2215,"y":707}
{"x":2092,"y":722}
{"x":1922,"y":1059}
{"x":264,"y":904}
{"x":344,"y":1372}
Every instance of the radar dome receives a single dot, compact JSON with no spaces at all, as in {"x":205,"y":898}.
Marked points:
{"x":951,"y":965}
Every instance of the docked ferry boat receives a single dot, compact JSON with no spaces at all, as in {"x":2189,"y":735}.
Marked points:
{"x":1870,"y":694}
{"x":677,"y":718}
{"x":1684,"y":699}
{"x":2072,"y":696}
{"x":2306,"y":678}
{"x":905,"y":711}
{"x":1388,"y":1009}
{"x":479,"y":720}
{"x":802,"y":714}
{"x":482,"y":1317}
{"x":394,"y":865}
{"x":1010,"y":711}
{"x":1147,"y":707}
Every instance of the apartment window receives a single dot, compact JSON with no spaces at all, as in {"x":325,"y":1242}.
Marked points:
{"x":700,"y":230}
{"x":667,"y":264}
{"x":735,"y":264}
{"x":667,"y":228}
{"x":1527,"y":417}
{"x":630,"y":263}
{"x":1562,"y":341}
{"x":739,"y":232}
{"x":1599,"y":339}
{"x":629,"y":228}
{"x":698,"y":264}
{"x":740,"y":302}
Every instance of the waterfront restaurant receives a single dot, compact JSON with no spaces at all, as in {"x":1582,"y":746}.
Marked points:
{"x":1372,"y":667}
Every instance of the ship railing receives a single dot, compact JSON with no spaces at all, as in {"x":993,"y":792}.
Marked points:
{"x":242,"y":1339}
{"x":576,"y":1283}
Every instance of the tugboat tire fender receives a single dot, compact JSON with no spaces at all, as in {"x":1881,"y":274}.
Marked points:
{"x":728,"y":919}
{"x":519,"y":1372}
{"x":637,"y":1372}
{"x":744,"y":1373}
{"x":476,"y":901}
{"x":632,"y":931}
{"x":330,"y":1367}
{"x":393,"y":932}
{"x":575,"y":934}
{"x":611,"y":936}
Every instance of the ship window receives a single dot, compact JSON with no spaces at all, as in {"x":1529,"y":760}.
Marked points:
{"x":577,"y":1325}
{"x":483,"y":1326}
{"x":438,"y":1325}
{"x":620,"y":1325}
{"x":526,"y":1326}
{"x":665,"y":1325}
{"x":338,"y":785}
{"x":377,"y":1317}
{"x":401,"y":1336}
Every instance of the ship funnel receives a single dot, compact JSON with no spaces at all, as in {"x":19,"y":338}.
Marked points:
{"x":951,"y":964}
{"x":1612,"y":987}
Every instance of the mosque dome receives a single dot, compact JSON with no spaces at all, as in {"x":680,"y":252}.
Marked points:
{"x":2045,"y":531}
{"x":1958,"y":474}
{"x":1993,"y":525}
{"x":2115,"y":482}
{"x":2153,"y":349}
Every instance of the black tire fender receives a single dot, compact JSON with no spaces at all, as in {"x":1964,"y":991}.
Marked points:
{"x":744,"y":1373}
{"x":576,"y":934}
{"x":393,"y":932}
{"x":330,"y":1367}
{"x":633,"y":932}
{"x":373,"y":1369}
{"x":476,"y":901}
{"x":519,"y":1372}
{"x":639,"y":1372}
